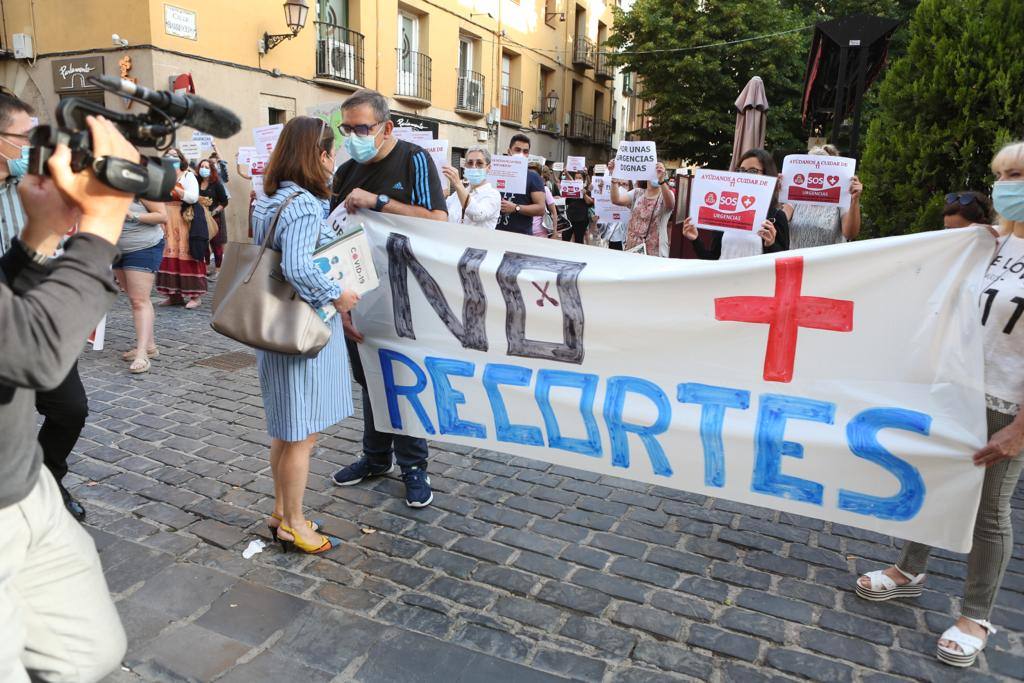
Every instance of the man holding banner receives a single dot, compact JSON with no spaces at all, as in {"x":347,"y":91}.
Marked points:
{"x":397,"y":177}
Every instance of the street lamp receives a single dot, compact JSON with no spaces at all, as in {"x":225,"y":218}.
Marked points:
{"x":549,"y":106}
{"x":295,"y":12}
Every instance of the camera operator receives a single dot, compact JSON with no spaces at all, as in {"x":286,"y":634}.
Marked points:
{"x":65,"y":407}
{"x":57,"y":621}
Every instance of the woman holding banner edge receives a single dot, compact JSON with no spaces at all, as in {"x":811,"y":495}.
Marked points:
{"x":1002,"y":456}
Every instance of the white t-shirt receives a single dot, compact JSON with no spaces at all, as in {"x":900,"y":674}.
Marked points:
{"x":1002,"y":310}
{"x":736,"y":244}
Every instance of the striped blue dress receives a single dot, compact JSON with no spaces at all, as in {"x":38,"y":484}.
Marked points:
{"x":302,"y":396}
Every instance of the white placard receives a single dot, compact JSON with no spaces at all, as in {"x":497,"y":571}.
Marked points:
{"x":722,"y":200}
{"x":438,"y":151}
{"x":180,"y":22}
{"x":558,"y":166}
{"x":601,"y":186}
{"x":801,"y":403}
{"x":600,"y":169}
{"x":508,"y":174}
{"x":265,"y":137}
{"x":191,"y":149}
{"x":245,"y":154}
{"x":538,"y":160}
{"x":257,"y":167}
{"x":575,"y":163}
{"x":413,"y":135}
{"x":636,"y":161}
{"x":205,"y":140}
{"x":571,"y":189}
{"x":817,"y":179}
{"x":610,"y":213}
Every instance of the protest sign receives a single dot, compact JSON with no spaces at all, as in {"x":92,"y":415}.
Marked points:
{"x":413,"y":135}
{"x":265,"y":137}
{"x":205,"y":140}
{"x":610,"y":213}
{"x":575,"y":163}
{"x":191,"y":149}
{"x":508,"y":174}
{"x":817,"y":179}
{"x":558,"y":166}
{"x":796,"y":399}
{"x":601,"y":186}
{"x":438,"y":151}
{"x":635,"y":161}
{"x":600,"y":169}
{"x":722,"y":200}
{"x":257,"y":167}
{"x":245,"y":155}
{"x":538,"y":160}
{"x":571,"y":189}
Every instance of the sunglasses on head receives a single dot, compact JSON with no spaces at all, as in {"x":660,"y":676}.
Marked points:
{"x":361,"y":129}
{"x":964,"y":198}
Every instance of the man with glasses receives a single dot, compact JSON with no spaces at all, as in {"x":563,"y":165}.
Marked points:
{"x":518,"y":210}
{"x":66,"y":407}
{"x":392,"y":176}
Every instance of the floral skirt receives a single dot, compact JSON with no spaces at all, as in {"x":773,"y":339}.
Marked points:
{"x":180,"y":275}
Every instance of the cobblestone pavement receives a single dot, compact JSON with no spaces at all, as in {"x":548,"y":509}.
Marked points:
{"x":519,"y":571}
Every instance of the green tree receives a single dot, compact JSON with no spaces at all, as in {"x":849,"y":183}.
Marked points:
{"x":693,"y":92}
{"x":943,"y":109}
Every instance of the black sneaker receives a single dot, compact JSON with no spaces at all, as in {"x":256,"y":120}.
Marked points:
{"x":417,"y":487}
{"x":75,"y":508}
{"x":359,"y":470}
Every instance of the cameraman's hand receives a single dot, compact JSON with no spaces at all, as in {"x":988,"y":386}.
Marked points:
{"x":49,"y":214}
{"x":103,"y":208}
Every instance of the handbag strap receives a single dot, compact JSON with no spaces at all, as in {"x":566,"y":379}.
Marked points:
{"x":269,"y":238}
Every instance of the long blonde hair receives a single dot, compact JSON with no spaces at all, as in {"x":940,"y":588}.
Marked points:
{"x":1010,"y":156}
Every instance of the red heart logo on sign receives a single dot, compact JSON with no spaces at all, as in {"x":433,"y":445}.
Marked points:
{"x":832,"y":179}
{"x":748,"y":201}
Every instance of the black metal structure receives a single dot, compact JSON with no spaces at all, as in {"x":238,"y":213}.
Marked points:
{"x":847,"y":54}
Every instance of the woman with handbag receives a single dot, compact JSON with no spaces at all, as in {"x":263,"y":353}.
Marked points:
{"x":301,"y":395}
{"x":212,"y":188}
{"x":182,"y":273}
{"x":651,"y":204}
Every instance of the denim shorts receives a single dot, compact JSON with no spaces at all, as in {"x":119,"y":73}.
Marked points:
{"x":147,"y":260}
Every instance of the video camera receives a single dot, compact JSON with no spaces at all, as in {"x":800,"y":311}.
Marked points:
{"x":153,"y":177}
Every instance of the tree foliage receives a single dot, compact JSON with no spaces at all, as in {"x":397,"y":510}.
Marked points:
{"x":944,"y":108}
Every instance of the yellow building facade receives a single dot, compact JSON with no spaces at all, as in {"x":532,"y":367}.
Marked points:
{"x":474,"y":72}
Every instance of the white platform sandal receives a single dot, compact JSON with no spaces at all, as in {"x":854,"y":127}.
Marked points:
{"x":970,"y":645}
{"x":884,"y":588}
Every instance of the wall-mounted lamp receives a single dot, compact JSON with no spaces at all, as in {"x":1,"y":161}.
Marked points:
{"x":549,"y":106}
{"x":481,"y":14}
{"x":295,"y":12}
{"x":548,"y":15}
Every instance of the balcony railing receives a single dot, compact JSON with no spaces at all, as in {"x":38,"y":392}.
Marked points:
{"x":512,"y":105}
{"x":413,"y":75}
{"x":604,"y":70}
{"x":583,"y":53}
{"x":339,"y":54}
{"x":581,"y":126}
{"x":470,"y":95}
{"x":602,"y":133}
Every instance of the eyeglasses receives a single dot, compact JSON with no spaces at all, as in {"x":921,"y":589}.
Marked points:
{"x":965,"y":198}
{"x":479,"y":163}
{"x":755,"y":171}
{"x":361,"y":129}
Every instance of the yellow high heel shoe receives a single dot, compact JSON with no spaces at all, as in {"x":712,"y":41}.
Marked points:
{"x":327,"y":542}
{"x":314,"y":524}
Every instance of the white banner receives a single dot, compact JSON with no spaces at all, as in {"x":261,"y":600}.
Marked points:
{"x":571,"y":189}
{"x":575,"y":163}
{"x":843,"y":383}
{"x":265,"y":137}
{"x":635,"y":161}
{"x":610,"y":213}
{"x":721,"y":200}
{"x":817,"y":179}
{"x":508,"y":174}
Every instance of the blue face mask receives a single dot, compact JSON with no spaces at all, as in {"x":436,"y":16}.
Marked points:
{"x":1008,"y":198}
{"x":204,"y":173}
{"x":19,"y":167}
{"x":362,"y":148}
{"x":475,"y":176}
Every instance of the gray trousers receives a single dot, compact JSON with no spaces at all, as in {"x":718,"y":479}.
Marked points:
{"x":993,"y":534}
{"x":57,"y":621}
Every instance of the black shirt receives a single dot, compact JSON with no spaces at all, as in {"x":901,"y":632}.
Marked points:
{"x":407,"y":175}
{"x":520,"y":222}
{"x":714,"y":251}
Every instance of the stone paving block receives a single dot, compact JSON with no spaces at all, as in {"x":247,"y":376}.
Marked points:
{"x":776,"y":564}
{"x":270,"y":666}
{"x":528,"y":611}
{"x":808,"y":592}
{"x":394,"y":570}
{"x":534,"y":506}
{"x":217,"y":533}
{"x":754,"y":624}
{"x":132,"y":529}
{"x":461,"y":592}
{"x":182,"y":589}
{"x":644,"y":532}
{"x":682,"y":605}
{"x":565,"y":532}
{"x":209,"y":655}
{"x":350,"y":598}
{"x":250,"y":613}
{"x":280,"y":579}
{"x":740,"y":576}
{"x":571,"y":665}
{"x":747,"y":539}
{"x":809,"y":666}
{"x":492,"y":642}
{"x":126,"y":563}
{"x":618,"y":545}
{"x":573,"y":597}
{"x":543,"y":565}
{"x":705,"y":588}
{"x":529,"y":541}
{"x":784,"y":608}
{"x":142,"y":622}
{"x":723,"y":642}
{"x":484,"y":550}
{"x":647,"y":619}
{"x":419,"y":619}
{"x":673,"y":658}
{"x":635,"y":674}
{"x":617,"y":641}
{"x":612,"y":585}
{"x":588,"y":557}
{"x":685,"y":562}
{"x":326,"y":639}
{"x":507,"y":579}
{"x":177,"y":544}
{"x":390,"y":545}
{"x":590,"y":520}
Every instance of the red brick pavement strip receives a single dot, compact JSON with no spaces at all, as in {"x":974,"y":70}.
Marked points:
{"x":518,"y":571}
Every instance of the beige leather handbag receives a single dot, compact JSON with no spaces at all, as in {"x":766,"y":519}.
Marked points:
{"x":254,"y":303}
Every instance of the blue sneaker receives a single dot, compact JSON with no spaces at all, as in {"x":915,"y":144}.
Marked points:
{"x":359,"y":470}
{"x":417,"y":487}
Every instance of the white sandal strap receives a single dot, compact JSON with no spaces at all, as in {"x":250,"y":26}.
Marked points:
{"x":912,"y":578}
{"x":968,"y":643}
{"x":987,"y":625}
{"x":880,"y":580}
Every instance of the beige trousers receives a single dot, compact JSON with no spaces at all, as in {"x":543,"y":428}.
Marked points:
{"x":57,"y":621}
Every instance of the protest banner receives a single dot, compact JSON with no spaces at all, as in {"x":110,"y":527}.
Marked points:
{"x":558,"y":166}
{"x":610,"y":213}
{"x":508,"y":174}
{"x":817,"y":179}
{"x":600,"y":169}
{"x":571,"y":189}
{"x":601,"y":187}
{"x":635,"y":161}
{"x":438,"y":151}
{"x":257,"y":167}
{"x":722,"y":200}
{"x":793,"y":397}
{"x":413,"y":135}
{"x":245,"y":155}
{"x":576,"y":164}
{"x":205,"y":141}
{"x":535,"y":159}
{"x":191,"y":149}
{"x":265,"y":137}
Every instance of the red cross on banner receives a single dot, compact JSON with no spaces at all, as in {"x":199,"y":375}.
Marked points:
{"x":785,"y":313}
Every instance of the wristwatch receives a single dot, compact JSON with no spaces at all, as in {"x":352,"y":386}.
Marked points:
{"x":33,"y":255}
{"x":517,"y":208}
{"x":382,"y":201}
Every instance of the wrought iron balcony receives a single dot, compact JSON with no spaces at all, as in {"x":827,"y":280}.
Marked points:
{"x":413,"y":75}
{"x":602,"y":133}
{"x":604,"y":70}
{"x":581,"y":126}
{"x":470,"y":94}
{"x":512,"y":105}
{"x":339,"y":54}
{"x":583,"y":53}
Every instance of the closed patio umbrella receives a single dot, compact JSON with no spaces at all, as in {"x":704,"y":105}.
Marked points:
{"x":751,"y":118}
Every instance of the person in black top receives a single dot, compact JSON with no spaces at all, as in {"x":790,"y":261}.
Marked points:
{"x":212,"y":187}
{"x":392,"y":176}
{"x":518,"y":210}
{"x":577,"y":211}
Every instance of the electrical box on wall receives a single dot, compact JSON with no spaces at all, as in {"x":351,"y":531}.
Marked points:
{"x":481,"y":136}
{"x":23,"y":46}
